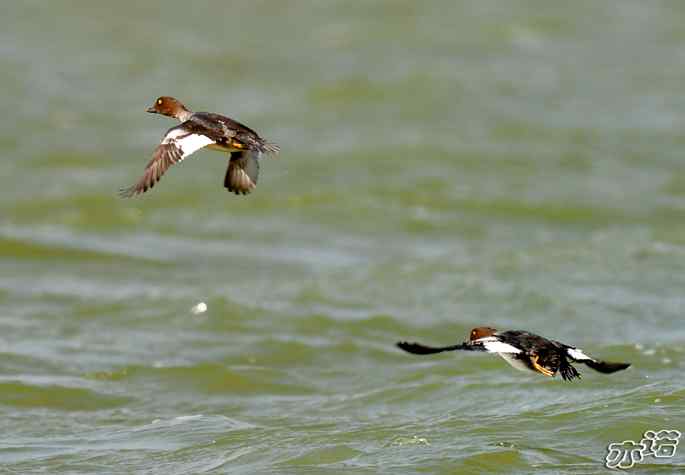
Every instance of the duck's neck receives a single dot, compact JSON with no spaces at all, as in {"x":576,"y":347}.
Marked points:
{"x":184,"y":115}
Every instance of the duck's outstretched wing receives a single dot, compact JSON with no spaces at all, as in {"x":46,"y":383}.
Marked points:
{"x":489,"y":344}
{"x":605,"y":367}
{"x":419,"y":349}
{"x":178,"y":143}
{"x":242,"y":173}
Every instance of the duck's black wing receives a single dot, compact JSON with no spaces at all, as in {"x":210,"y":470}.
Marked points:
{"x":419,"y":349}
{"x":605,"y":367}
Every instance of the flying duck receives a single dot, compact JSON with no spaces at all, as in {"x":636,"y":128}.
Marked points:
{"x":525,"y":351}
{"x":199,"y":130}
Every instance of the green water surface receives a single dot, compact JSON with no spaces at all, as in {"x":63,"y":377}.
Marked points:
{"x":444,"y":164}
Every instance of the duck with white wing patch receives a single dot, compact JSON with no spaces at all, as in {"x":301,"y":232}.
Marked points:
{"x":525,"y":351}
{"x":199,"y":130}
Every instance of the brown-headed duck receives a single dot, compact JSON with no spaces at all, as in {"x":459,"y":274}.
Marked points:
{"x":199,"y":130}
{"x":525,"y":351}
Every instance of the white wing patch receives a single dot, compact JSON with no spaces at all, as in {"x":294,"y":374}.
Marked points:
{"x":493,"y":345}
{"x":185,"y":142}
{"x":577,"y":354}
{"x":176,"y":145}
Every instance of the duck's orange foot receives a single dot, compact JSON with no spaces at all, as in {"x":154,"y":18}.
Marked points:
{"x":539,"y":368}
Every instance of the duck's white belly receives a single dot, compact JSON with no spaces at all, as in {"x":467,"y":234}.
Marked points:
{"x":514,"y":362}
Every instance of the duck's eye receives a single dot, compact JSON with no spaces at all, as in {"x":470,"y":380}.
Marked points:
{"x":159,"y":102}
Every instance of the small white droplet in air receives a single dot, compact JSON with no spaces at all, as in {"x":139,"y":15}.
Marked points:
{"x":199,"y":308}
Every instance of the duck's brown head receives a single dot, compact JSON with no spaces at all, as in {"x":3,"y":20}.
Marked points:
{"x":168,"y":106}
{"x":481,"y":332}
